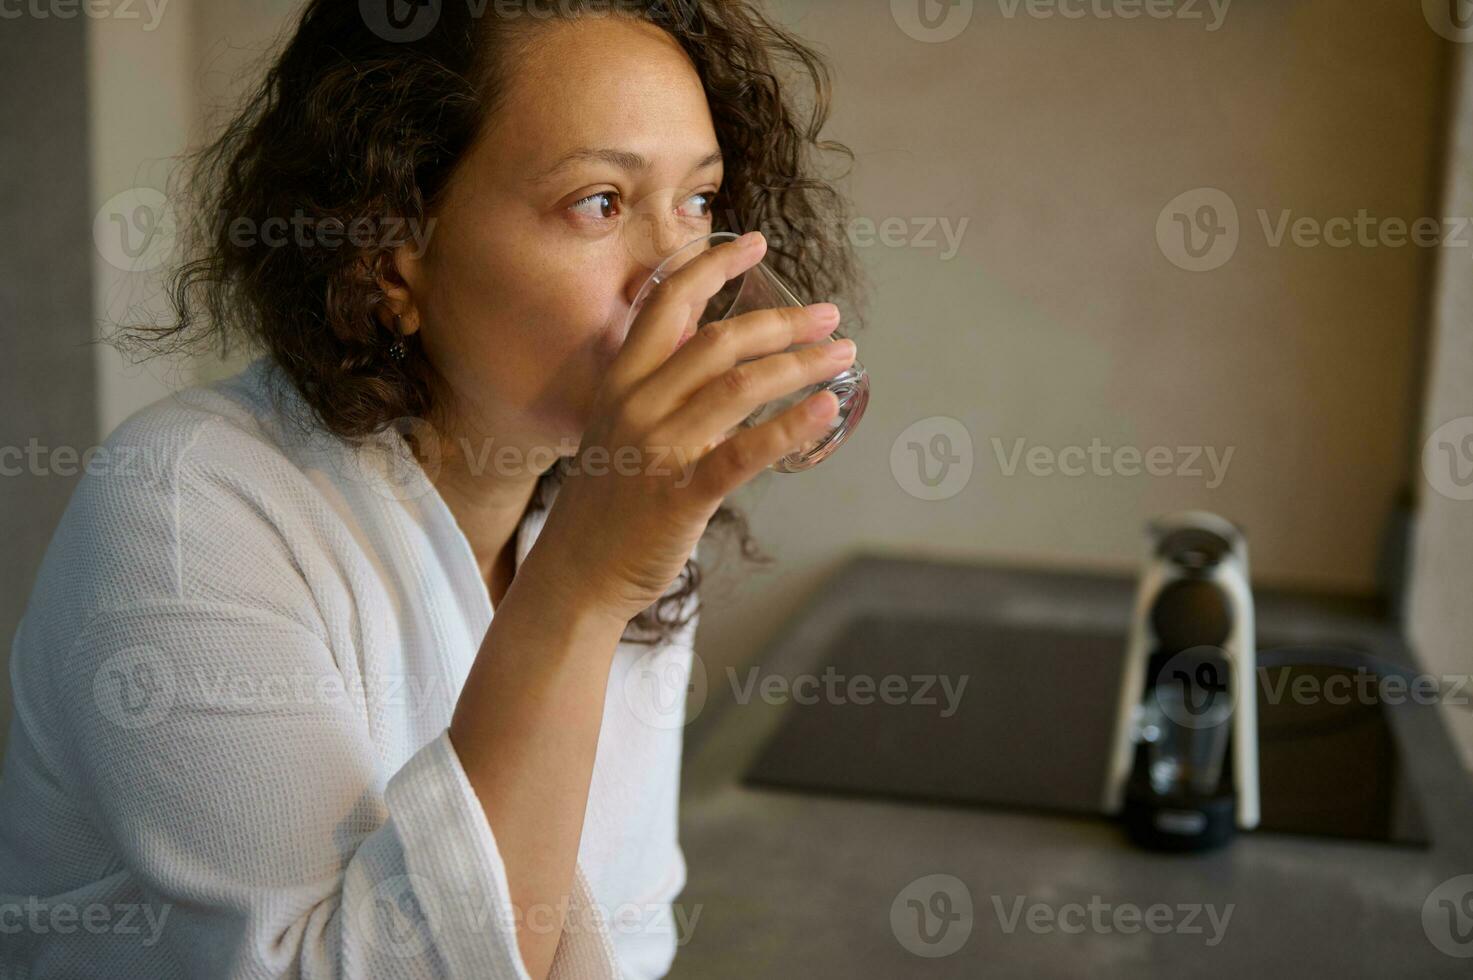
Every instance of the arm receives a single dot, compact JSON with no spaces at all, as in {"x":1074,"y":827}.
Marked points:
{"x":526,"y":730}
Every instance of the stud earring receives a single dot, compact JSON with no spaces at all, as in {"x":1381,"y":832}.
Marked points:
{"x":398,"y":349}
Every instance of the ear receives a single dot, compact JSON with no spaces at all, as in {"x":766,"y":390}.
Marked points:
{"x":399,"y":273}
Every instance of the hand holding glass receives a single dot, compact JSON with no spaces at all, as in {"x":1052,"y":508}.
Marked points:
{"x":760,"y":288}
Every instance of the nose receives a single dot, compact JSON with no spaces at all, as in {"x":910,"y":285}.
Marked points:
{"x":636,"y":273}
{"x":650,"y":234}
{"x":649,"y":238}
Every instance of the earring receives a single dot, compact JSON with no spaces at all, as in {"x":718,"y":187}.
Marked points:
{"x":398,"y":349}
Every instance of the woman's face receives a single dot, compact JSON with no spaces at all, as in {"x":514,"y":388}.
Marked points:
{"x":602,"y":159}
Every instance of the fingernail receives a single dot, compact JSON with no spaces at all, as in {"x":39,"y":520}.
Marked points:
{"x":841,"y":350}
{"x":749,"y":239}
{"x":824,"y":312}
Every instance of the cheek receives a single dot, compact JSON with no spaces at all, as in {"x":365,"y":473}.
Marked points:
{"x":573,"y":316}
{"x":534,"y":328}
{"x":577,"y":307}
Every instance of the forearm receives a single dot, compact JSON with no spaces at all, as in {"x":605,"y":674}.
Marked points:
{"x":526,"y":731}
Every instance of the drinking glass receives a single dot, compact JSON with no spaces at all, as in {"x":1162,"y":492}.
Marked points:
{"x":1188,"y":720}
{"x":1182,"y":757}
{"x":760,"y":288}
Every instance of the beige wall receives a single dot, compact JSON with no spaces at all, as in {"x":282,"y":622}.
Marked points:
{"x":1441,"y":611}
{"x":157,"y":83}
{"x":139,"y":84}
{"x":1061,"y":320}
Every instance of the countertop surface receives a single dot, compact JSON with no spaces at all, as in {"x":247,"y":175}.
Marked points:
{"x":792,"y":884}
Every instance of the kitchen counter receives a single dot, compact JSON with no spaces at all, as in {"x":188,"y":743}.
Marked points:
{"x":792,"y":884}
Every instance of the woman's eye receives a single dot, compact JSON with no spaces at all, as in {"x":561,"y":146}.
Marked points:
{"x":593,"y":205}
{"x":703,"y":209}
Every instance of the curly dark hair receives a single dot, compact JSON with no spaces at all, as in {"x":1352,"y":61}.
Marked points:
{"x":356,"y":119}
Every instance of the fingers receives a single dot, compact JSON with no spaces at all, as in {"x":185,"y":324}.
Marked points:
{"x":673,"y":306}
{"x":717,"y":347}
{"x":750,"y":451}
{"x":732,"y":396}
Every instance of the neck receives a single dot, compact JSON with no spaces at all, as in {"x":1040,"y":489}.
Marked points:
{"x":490,"y":461}
{"x":488,"y":502}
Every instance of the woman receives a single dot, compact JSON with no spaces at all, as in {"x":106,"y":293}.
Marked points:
{"x":267,"y":724}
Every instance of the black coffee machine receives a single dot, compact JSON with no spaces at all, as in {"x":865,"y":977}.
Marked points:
{"x":1184,"y":762}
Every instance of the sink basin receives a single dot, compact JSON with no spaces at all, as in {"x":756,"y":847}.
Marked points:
{"x":978,"y":710}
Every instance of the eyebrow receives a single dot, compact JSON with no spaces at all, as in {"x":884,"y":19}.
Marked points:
{"x":623,"y":159}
